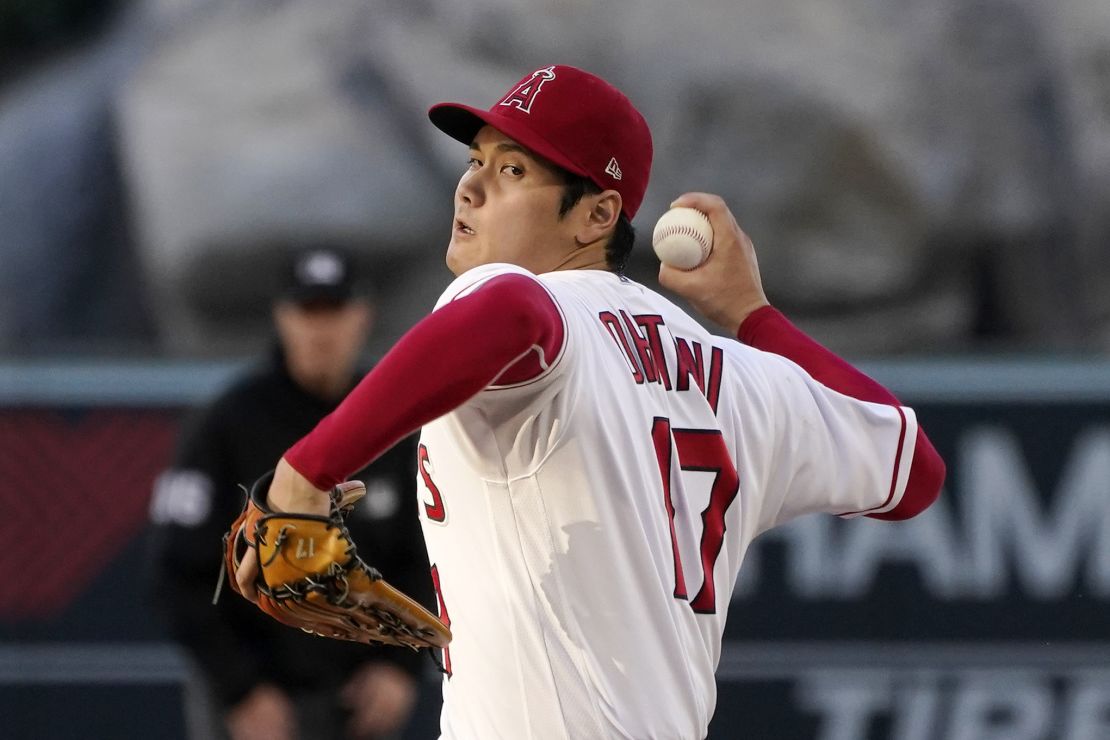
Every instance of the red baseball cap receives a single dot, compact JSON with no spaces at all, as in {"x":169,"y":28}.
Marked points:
{"x":572,"y":118}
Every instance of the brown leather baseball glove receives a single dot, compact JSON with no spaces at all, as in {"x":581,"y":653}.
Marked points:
{"x":311,"y":577}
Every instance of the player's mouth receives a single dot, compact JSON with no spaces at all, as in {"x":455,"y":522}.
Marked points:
{"x":463,"y":228}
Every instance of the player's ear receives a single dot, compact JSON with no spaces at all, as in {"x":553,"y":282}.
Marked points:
{"x":603,"y":212}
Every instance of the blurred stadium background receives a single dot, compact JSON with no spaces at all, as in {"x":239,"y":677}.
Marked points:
{"x":928,"y":184}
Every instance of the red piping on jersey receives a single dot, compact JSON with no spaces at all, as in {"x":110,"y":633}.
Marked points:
{"x":448,"y":357}
{"x":767,"y":329}
{"x":897,"y":468}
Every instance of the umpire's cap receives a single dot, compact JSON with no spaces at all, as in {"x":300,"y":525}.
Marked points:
{"x":320,"y":274}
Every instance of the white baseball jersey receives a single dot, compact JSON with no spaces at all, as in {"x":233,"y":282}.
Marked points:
{"x":585,"y":528}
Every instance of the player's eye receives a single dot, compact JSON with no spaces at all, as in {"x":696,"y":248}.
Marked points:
{"x":473,"y":163}
{"x":513,"y":170}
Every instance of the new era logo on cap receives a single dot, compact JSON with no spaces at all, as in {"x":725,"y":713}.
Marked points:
{"x":613,"y":169}
{"x":571,"y":118}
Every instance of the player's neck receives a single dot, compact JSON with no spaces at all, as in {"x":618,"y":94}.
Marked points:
{"x":586,"y":257}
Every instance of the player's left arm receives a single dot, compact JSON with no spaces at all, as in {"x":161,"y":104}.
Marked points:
{"x":448,"y":357}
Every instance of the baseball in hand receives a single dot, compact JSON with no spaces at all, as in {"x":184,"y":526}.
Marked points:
{"x":682,"y":238}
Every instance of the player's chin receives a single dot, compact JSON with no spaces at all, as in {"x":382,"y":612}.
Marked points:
{"x":462,"y":256}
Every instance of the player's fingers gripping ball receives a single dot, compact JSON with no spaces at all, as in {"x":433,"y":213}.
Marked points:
{"x":311,"y":577}
{"x":682,"y":238}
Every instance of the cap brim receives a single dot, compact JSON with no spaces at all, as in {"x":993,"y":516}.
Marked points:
{"x":463,"y":122}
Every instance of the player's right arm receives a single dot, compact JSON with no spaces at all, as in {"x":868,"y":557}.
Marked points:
{"x":508,"y":326}
{"x":728,"y":290}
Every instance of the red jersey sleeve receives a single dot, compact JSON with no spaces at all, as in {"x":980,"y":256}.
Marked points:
{"x":767,"y":329}
{"x":506,"y":330}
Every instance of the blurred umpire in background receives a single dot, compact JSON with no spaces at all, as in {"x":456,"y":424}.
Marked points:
{"x":255,"y":676}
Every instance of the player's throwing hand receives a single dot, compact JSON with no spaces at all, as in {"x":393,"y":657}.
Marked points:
{"x":726,"y":287}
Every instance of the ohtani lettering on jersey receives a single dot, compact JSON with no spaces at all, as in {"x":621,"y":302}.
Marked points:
{"x":641,"y":342}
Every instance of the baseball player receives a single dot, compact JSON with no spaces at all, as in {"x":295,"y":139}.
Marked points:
{"x":593,"y":463}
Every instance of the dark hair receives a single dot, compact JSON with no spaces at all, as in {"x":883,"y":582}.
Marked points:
{"x":620,"y":243}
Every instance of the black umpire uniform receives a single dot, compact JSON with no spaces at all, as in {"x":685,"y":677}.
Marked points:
{"x":238,"y":437}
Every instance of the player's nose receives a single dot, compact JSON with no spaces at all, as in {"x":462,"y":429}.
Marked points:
{"x":469,"y":191}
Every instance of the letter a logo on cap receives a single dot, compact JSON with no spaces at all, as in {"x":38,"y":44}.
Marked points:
{"x":525,"y":93}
